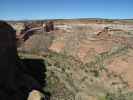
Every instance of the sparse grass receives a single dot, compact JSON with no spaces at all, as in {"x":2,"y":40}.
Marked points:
{"x":52,"y":82}
{"x":63,"y":63}
{"x":119,"y":95}
{"x":97,"y":65}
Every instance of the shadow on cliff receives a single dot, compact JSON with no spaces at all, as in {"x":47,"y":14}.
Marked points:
{"x":18,"y":76}
{"x":32,"y":76}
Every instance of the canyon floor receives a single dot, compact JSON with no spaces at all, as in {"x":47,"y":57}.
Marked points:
{"x":83,"y":60}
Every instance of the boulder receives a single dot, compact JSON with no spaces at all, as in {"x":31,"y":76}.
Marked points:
{"x":35,"y":95}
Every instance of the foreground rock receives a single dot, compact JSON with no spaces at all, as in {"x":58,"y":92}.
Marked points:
{"x":8,"y":57}
{"x":15,"y":83}
{"x":35,"y":95}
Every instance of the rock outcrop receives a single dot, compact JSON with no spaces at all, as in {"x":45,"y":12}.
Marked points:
{"x":49,"y":26}
{"x":35,"y":95}
{"x":15,"y":83}
{"x":8,"y":56}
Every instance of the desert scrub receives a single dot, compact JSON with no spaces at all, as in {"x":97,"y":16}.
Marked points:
{"x":52,"y":82}
{"x":58,"y":76}
{"x":61,"y":85}
{"x":119,"y":95}
{"x":57,"y":88}
{"x":98,"y":65}
{"x":63,"y":66}
{"x":24,"y":55}
{"x":61,"y":61}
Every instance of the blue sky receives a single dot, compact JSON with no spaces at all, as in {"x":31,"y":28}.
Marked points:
{"x":51,"y":9}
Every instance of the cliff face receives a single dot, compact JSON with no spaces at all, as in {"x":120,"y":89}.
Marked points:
{"x":84,"y":61}
{"x":8,"y":54}
{"x":16,"y":81}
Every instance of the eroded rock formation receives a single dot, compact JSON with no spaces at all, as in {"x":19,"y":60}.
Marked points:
{"x":49,"y":26}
